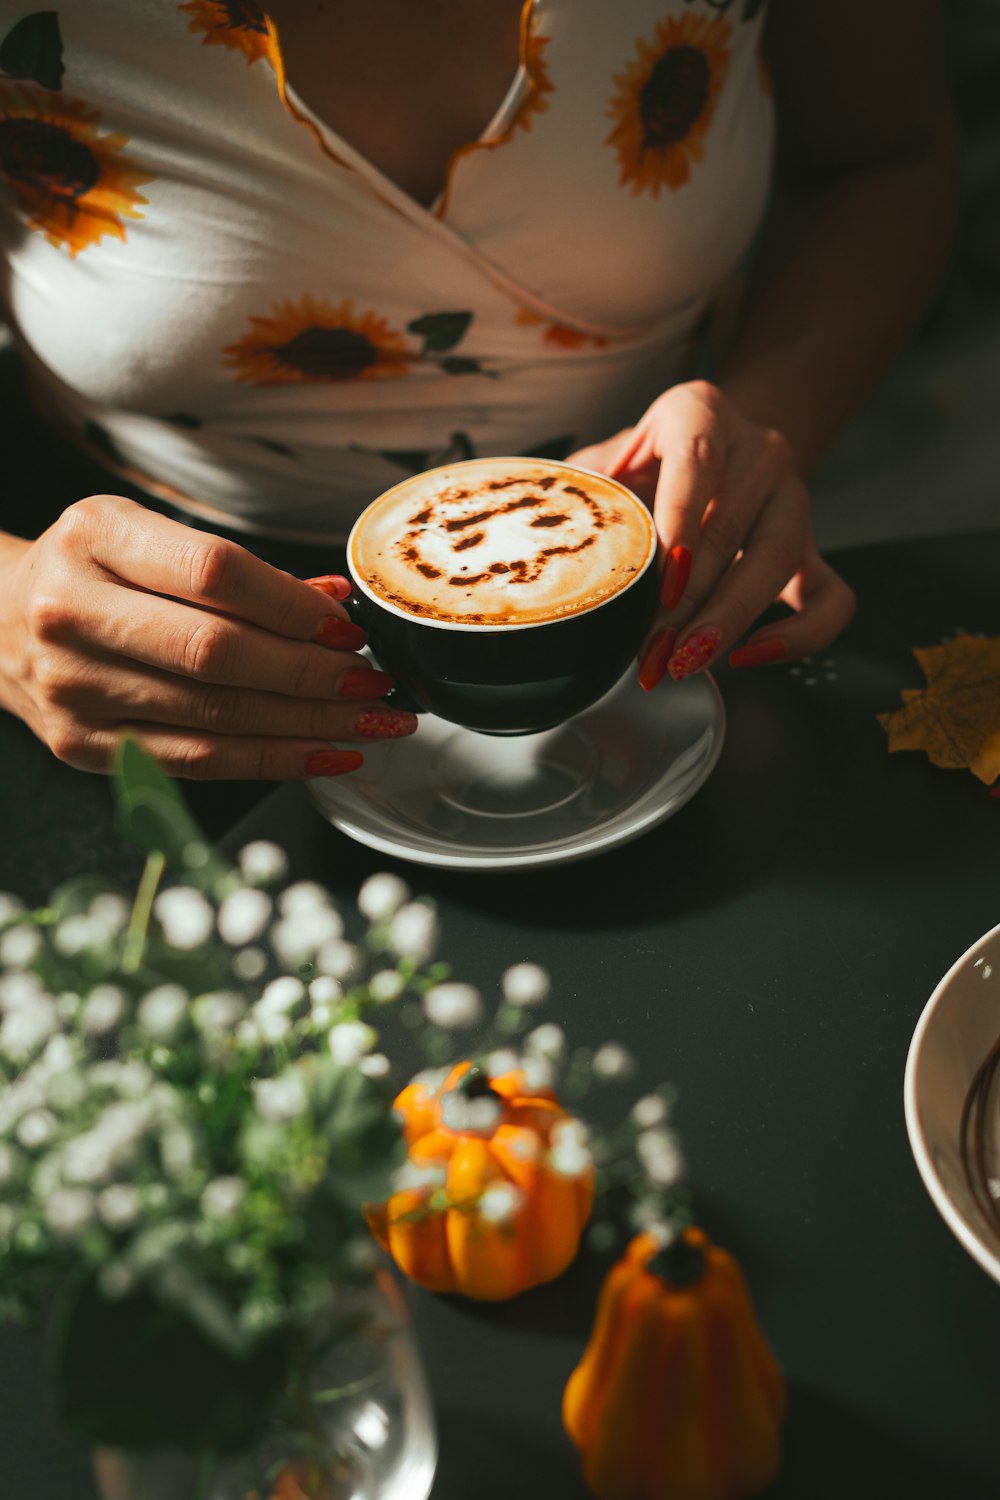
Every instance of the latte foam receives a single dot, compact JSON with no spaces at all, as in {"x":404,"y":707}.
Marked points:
{"x":501,"y":542}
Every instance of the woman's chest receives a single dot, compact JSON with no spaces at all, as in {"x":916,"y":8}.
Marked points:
{"x":405,"y":84}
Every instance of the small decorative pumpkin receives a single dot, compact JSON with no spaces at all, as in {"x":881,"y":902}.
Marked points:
{"x":484,"y":1134}
{"x":677,"y":1396}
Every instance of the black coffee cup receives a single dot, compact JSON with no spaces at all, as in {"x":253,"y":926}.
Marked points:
{"x":507,"y":679}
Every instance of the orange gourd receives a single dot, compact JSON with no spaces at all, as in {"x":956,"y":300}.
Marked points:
{"x":482,"y":1133}
{"x":677,"y":1396}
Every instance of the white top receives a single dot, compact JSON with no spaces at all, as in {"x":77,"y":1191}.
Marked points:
{"x":238,"y":311}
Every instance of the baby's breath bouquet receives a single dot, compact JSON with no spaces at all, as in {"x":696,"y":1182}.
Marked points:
{"x":195,"y":1107}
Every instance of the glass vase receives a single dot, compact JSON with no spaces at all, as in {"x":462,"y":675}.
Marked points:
{"x":355,"y":1422}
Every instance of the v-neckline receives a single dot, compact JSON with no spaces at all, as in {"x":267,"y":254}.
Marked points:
{"x":341,"y":150}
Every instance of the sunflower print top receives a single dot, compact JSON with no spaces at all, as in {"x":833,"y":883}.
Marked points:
{"x":242,"y":314}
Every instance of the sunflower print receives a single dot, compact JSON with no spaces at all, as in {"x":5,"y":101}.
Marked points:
{"x":240,"y":25}
{"x":557,"y":335}
{"x":69,"y":180}
{"x":539,"y":82}
{"x":315,"y":340}
{"x":665,"y":101}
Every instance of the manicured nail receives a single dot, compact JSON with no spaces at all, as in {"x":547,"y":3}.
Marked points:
{"x":341,"y":634}
{"x":758,"y":654}
{"x":362,"y":682}
{"x":675,"y":577}
{"x":334,"y":585}
{"x":655,"y":658}
{"x":694,"y":653}
{"x":384,"y":724}
{"x":333,"y":762}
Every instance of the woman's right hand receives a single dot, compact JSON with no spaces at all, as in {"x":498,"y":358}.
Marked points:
{"x":223,"y":665}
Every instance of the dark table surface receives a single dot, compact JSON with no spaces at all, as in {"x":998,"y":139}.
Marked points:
{"x":769,"y":949}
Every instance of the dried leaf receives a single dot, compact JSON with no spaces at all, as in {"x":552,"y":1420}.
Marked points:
{"x":956,"y":718}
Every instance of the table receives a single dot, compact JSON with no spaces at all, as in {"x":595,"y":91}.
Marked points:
{"x":769,"y":949}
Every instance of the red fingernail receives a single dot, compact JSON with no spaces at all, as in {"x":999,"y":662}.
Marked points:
{"x":362,"y":682}
{"x":333,"y":762}
{"x":694,"y":653}
{"x":675,"y":577}
{"x":385,"y":724}
{"x":334,"y":585}
{"x":655,"y":658}
{"x":341,"y":634}
{"x":758,"y":654}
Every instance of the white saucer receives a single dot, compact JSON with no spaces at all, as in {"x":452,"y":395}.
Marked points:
{"x":952,"y":1100}
{"x":460,"y":800}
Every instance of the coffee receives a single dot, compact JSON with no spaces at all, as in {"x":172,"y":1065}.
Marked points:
{"x":501,"y":542}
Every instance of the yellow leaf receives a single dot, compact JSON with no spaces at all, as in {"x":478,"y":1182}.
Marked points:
{"x":956,"y":718}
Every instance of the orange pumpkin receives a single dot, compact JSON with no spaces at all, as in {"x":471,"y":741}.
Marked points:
{"x":483,"y":1133}
{"x":677,"y":1396}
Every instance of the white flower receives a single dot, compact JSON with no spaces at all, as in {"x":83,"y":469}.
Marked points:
{"x":162,"y":1010}
{"x":646,"y":1214}
{"x":75,"y":933}
{"x":249,"y":964}
{"x":303,"y":898}
{"x":538,"y":1072}
{"x":297,"y":938}
{"x":109,"y":912}
{"x":350,"y":1040}
{"x":218,"y":1011}
{"x":10,"y":906}
{"x":522,"y":1143}
{"x":500,"y":1203}
{"x":660,"y":1155}
{"x":453,"y":1005}
{"x":325,"y":990}
{"x":503,"y":1060}
{"x":262,"y":863}
{"x":119,"y":1204}
{"x":381,"y":896}
{"x":375,"y":1065}
{"x":386,"y":986}
{"x":281,"y":995}
{"x":19,"y":947}
{"x":20,"y":989}
{"x":413,"y":932}
{"x":60,"y":1053}
{"x":68,"y":1210}
{"x":67,"y":1087}
{"x":525,"y":984}
{"x":612,"y":1062}
{"x":37,"y":1128}
{"x":281,"y":1098}
{"x":25,"y":1029}
{"x":338,"y":959}
{"x":648,"y":1111}
{"x":547,"y":1041}
{"x":568,"y":1152}
{"x":243,"y":916}
{"x":223,"y":1198}
{"x":186,"y":917}
{"x":420,"y":1176}
{"x":103,"y":1008}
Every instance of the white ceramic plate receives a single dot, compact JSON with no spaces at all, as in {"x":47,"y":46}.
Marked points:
{"x":459,"y":800}
{"x":952,"y":1100}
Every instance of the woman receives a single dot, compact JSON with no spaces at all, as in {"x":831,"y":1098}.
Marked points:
{"x":268,"y":263}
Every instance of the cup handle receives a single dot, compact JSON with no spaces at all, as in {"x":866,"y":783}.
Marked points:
{"x":357,"y":610}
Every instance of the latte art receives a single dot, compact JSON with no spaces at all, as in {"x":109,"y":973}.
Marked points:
{"x":501,"y":542}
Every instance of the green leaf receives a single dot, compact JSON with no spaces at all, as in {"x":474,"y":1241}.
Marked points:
{"x":354,"y":1115}
{"x":33,"y":49}
{"x":441,"y":331}
{"x":153,"y":814}
{"x":133,"y":1373}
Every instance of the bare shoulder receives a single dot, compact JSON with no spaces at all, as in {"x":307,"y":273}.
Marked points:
{"x":859,"y":81}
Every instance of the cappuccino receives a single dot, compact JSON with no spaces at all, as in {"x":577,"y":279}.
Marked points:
{"x":501,"y":542}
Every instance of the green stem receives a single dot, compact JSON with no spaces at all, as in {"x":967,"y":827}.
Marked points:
{"x":142,"y":908}
{"x":206,"y":1473}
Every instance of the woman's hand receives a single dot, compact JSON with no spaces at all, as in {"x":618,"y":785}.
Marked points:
{"x":732,"y":516}
{"x":226,"y":667}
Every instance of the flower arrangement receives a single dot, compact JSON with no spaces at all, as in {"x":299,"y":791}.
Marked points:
{"x":197,"y":1109}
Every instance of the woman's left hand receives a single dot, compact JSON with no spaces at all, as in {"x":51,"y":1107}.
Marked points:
{"x":732,"y":517}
